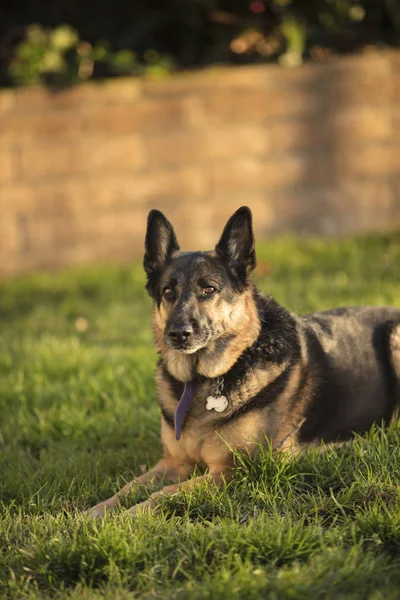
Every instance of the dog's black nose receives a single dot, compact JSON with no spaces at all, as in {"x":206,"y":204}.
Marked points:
{"x":180,"y":333}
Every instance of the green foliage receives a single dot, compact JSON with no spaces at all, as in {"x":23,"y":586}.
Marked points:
{"x":78,"y":417}
{"x":58,"y":57}
{"x":295,"y":35}
{"x":42,"y":53}
{"x":182,"y":35}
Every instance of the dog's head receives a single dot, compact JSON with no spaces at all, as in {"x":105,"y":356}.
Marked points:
{"x":199,"y":297}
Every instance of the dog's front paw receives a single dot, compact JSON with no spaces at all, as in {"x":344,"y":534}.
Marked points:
{"x":99,"y":510}
{"x":142,"y":507}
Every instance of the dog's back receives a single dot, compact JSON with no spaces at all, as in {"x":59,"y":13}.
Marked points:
{"x":357,"y":366}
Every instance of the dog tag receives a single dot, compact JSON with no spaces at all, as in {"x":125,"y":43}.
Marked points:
{"x":218,"y":403}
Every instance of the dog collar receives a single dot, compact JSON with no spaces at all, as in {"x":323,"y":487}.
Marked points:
{"x":183,"y":406}
{"x":216,"y":402}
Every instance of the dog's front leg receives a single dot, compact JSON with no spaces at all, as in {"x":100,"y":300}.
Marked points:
{"x":216,"y":475}
{"x":168,"y":467}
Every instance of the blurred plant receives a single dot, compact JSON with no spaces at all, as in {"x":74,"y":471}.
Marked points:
{"x":177,"y":34}
{"x":291,"y":31}
{"x":294,"y":32}
{"x":42,"y":53}
{"x":57,"y":56}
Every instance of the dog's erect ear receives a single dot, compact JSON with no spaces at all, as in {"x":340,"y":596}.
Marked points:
{"x":236,"y":246}
{"x":160,"y":244}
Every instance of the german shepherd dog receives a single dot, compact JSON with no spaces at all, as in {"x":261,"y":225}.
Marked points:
{"x":237,"y":368}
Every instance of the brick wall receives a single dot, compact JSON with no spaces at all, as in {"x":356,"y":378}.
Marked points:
{"x":311,"y":150}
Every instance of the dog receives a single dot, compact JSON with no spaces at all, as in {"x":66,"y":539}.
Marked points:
{"x":236,"y":368}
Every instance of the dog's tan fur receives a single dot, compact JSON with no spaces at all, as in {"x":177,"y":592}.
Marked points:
{"x":240,"y":321}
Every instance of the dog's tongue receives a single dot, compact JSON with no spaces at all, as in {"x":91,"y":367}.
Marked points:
{"x":183,"y":406}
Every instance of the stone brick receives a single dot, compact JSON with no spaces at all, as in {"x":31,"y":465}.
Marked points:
{"x":87,"y":154}
{"x":226,"y":142}
{"x":114,"y":91}
{"x":208,"y":80}
{"x":396,"y":89}
{"x":349,"y":126}
{"x":7,"y":100}
{"x":396,"y":202}
{"x":175,"y":87}
{"x":369,"y":203}
{"x":262,"y":206}
{"x":395,"y":155}
{"x":252,"y":174}
{"x":48,"y":160}
{"x":258,"y":105}
{"x":13,"y":196}
{"x":176,"y":148}
{"x":56,"y":124}
{"x":140,"y":116}
{"x":299,"y":134}
{"x":367,"y":160}
{"x":347,"y":207}
{"x":45,"y":233}
{"x":49,"y":198}
{"x":321,"y":99}
{"x":184,"y":184}
{"x":9,"y":239}
{"x":396,"y":122}
{"x":117,"y":192}
{"x":359,"y":70}
{"x":193,"y":111}
{"x":362,"y":124}
{"x":371,"y":91}
{"x":208,"y":144}
{"x":8,"y":165}
{"x":120,"y":153}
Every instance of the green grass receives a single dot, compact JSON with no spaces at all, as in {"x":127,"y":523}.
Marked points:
{"x":78,"y":417}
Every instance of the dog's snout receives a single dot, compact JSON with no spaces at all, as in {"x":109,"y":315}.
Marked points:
{"x":181,"y":333}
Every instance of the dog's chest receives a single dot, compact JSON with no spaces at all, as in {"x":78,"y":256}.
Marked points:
{"x":210,"y":401}
{"x":208,"y":430}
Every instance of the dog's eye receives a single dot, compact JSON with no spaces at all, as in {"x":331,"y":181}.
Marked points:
{"x":167,"y":292}
{"x":208,"y":290}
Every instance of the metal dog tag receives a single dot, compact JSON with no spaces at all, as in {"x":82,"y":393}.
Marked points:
{"x":217,"y":403}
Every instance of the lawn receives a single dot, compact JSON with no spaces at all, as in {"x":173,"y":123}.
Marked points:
{"x":79,"y":416}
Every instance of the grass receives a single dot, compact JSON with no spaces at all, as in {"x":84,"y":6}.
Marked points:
{"x":78,"y":417}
